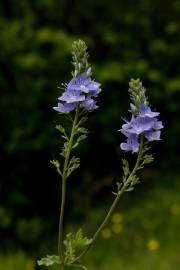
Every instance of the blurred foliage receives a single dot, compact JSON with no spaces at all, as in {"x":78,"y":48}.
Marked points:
{"x":125,"y":40}
{"x":148,"y":239}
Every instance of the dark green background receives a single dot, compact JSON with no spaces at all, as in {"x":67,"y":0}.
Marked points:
{"x":126,"y":39}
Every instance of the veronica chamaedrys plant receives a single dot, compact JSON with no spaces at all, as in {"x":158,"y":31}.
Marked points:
{"x":76,"y":101}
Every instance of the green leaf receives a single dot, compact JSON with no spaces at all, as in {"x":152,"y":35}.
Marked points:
{"x":56,"y":163}
{"x":134,"y":180}
{"x":80,"y":240}
{"x":75,"y":243}
{"x":148,"y":159}
{"x":82,"y":121}
{"x":125,"y":169}
{"x":79,"y":139}
{"x":130,"y":189}
{"x":64,"y":149}
{"x":73,"y":165}
{"x":119,"y":185}
{"x":62,"y":131}
{"x":81,"y":130}
{"x":146,"y":148}
{"x":70,"y":250}
{"x":49,"y":260}
{"x":60,"y":128}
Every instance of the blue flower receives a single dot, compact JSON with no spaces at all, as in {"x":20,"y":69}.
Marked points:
{"x":157,"y":124}
{"x":89,"y":104}
{"x":146,"y":123}
{"x":85,"y":85}
{"x":66,"y":108}
{"x":146,"y":111}
{"x":152,"y":135}
{"x":72,"y":96}
{"x":141,"y":124}
{"x":80,"y":90}
{"x":131,"y":144}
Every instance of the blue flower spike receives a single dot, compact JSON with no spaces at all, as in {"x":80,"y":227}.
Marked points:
{"x":143,"y":121}
{"x":82,"y":90}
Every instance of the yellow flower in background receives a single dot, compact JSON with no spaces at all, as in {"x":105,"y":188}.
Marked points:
{"x":175,"y":209}
{"x":106,"y":233}
{"x":117,"y":228}
{"x":117,"y":218}
{"x":153,"y":245}
{"x":30,"y":265}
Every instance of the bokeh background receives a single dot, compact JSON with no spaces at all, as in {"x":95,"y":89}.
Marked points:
{"x":126,"y":39}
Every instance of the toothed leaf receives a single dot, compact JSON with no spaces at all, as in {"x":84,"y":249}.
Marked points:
{"x":49,"y":260}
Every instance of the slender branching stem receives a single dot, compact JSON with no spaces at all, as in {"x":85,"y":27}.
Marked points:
{"x":63,"y":193}
{"x":111,"y":209}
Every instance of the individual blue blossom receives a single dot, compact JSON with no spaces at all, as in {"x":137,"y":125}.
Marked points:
{"x":140,"y":124}
{"x":72,"y":96}
{"x":89,"y":104}
{"x":66,"y":108}
{"x":80,"y":90}
{"x":131,"y":144}
{"x":152,"y":135}
{"x":157,"y":124}
{"x":145,"y":111}
{"x":84,"y":84}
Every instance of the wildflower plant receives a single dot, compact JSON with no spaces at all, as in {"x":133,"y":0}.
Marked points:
{"x":78,"y":99}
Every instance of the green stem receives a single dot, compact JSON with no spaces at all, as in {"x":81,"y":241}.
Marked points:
{"x":138,"y":159}
{"x":63,"y":193}
{"x":119,"y":194}
{"x":62,"y":267}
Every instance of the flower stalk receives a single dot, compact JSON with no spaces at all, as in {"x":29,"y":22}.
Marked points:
{"x":64,"y":178}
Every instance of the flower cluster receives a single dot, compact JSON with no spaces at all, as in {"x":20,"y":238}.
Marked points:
{"x":146,"y":123}
{"x":80,"y":90}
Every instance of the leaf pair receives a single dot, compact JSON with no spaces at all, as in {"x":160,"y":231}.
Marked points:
{"x":51,"y":260}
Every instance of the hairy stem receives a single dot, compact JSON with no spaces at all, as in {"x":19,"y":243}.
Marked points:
{"x":63,"y":193}
{"x":111,"y":209}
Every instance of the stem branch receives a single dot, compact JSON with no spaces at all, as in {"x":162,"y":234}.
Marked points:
{"x":119,"y":194}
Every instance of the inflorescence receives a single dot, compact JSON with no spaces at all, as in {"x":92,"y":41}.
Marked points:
{"x":81,"y":90}
{"x":143,"y":121}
